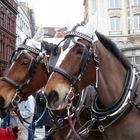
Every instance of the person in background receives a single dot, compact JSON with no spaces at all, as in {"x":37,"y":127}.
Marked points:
{"x":6,"y":132}
{"x":42,"y":117}
{"x":10,"y":133}
{"x":23,"y":117}
{"x":5,"y":119}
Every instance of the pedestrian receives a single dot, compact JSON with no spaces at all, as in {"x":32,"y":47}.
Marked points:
{"x":10,"y":133}
{"x":42,"y":117}
{"x":23,"y":117}
{"x":5,"y":119}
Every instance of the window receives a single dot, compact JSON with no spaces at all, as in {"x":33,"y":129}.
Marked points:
{"x":115,"y":24}
{"x":136,"y":2}
{"x":129,"y":44}
{"x":2,"y":50}
{"x":137,"y":21}
{"x":1,"y":18}
{"x":8,"y":23}
{"x":1,"y":68}
{"x":120,"y":44}
{"x":12,"y":26}
{"x":114,"y":4}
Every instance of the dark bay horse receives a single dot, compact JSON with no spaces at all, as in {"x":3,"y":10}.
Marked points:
{"x":90,"y":58}
{"x":28,"y":71}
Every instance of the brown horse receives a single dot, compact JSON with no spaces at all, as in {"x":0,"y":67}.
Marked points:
{"x":28,"y":71}
{"x":89,"y":57}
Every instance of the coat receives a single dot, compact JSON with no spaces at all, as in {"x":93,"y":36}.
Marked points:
{"x":7,"y":134}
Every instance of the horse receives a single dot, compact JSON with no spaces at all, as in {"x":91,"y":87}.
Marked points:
{"x":90,"y":58}
{"x":28,"y":70}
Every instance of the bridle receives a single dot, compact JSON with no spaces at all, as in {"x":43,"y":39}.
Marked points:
{"x":87,"y":53}
{"x":121,"y":107}
{"x":117,"y":110}
{"x":35,"y":61}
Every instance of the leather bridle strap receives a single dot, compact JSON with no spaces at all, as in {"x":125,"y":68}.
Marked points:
{"x":32,"y":69}
{"x":10,"y":82}
{"x":67,"y":75}
{"x":84,"y":60}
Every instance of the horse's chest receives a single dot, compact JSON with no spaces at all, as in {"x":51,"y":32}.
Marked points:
{"x":127,"y":128}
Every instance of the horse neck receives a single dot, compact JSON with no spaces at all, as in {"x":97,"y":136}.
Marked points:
{"x":111,"y":76}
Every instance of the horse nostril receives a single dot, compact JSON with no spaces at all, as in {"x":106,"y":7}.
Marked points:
{"x":1,"y":102}
{"x":52,"y":97}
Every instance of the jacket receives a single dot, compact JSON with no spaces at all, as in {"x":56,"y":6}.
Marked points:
{"x":7,"y":134}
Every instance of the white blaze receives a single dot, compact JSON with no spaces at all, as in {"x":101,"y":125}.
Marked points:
{"x":62,"y":56}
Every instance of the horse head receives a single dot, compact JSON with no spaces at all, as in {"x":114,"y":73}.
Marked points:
{"x":27,"y":72}
{"x":73,"y":66}
{"x":87,"y":57}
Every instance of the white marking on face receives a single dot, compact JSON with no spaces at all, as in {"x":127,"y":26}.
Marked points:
{"x":11,"y":66}
{"x":50,"y":76}
{"x":62,"y":56}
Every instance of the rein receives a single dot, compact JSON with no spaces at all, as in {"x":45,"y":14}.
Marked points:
{"x":121,"y":107}
{"x":72,"y":116}
{"x":35,"y":122}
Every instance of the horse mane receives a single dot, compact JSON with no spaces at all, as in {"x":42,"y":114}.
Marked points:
{"x":50,"y":48}
{"x":111,"y":46}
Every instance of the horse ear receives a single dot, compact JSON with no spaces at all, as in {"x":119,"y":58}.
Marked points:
{"x":91,"y":26}
{"x":35,"y":42}
{"x":38,"y":37}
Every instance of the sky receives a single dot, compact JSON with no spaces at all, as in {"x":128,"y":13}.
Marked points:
{"x":57,"y":13}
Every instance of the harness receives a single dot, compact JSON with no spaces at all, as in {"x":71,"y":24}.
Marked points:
{"x":98,"y":115}
{"x":108,"y":116}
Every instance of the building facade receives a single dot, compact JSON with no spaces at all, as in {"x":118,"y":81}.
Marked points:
{"x":8,"y":13}
{"x":23,"y":28}
{"x":120,"y":20}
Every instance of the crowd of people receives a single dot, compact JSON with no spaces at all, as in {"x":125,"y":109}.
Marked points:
{"x":29,"y":121}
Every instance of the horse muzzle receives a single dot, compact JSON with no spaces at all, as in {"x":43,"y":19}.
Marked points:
{"x":52,"y":99}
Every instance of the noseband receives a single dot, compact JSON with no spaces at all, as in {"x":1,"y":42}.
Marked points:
{"x":40,"y":58}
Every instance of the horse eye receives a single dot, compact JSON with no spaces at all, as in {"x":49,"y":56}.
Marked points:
{"x":79,"y":51}
{"x":25,"y":63}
